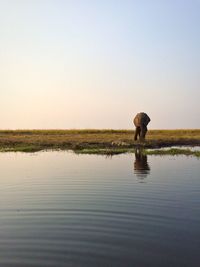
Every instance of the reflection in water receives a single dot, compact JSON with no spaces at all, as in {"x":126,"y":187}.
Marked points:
{"x":62,"y":209}
{"x":141,"y":166}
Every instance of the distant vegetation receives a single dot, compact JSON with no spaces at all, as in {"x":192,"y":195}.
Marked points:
{"x":94,"y":141}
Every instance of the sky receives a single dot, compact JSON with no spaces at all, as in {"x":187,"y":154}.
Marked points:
{"x":72,"y":64}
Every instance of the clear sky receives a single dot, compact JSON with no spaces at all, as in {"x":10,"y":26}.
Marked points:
{"x":96,"y":63}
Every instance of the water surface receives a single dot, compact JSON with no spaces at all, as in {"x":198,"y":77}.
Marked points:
{"x":62,"y":209}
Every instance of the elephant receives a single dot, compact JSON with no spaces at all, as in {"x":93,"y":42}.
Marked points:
{"x":141,"y":121}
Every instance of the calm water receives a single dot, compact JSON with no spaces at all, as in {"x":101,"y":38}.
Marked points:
{"x":61,"y":209}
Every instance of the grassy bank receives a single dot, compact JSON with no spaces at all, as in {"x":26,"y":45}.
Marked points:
{"x":173,"y":152}
{"x":93,"y":141}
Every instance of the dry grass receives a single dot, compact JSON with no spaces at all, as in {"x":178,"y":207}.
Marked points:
{"x":35,"y":140}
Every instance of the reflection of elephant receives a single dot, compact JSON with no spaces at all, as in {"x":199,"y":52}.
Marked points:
{"x":141,"y":166}
{"x":141,"y":121}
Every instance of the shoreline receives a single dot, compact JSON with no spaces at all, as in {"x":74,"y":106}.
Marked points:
{"x":106,"y":142}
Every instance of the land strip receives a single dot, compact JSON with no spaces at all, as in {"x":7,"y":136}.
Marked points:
{"x":94,"y":141}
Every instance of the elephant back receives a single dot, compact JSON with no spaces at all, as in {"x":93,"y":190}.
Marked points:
{"x":141,"y":119}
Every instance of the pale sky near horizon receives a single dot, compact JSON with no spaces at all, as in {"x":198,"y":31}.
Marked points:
{"x":96,"y":63}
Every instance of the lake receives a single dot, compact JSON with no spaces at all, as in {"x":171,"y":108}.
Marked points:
{"x":62,"y":209}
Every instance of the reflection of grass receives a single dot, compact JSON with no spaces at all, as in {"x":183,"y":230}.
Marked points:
{"x":173,"y":152}
{"x":93,"y":141}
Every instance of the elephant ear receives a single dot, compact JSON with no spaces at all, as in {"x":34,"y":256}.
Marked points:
{"x":145,"y":119}
{"x":136,"y":121}
{"x":148,"y":119}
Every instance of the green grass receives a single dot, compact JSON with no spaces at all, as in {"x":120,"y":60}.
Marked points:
{"x":22,"y":148}
{"x":105,"y":151}
{"x":173,"y":152}
{"x":160,"y":152}
{"x":93,"y":140}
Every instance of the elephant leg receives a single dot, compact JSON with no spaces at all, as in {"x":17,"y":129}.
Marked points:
{"x":143,"y":132}
{"x":137,"y":133}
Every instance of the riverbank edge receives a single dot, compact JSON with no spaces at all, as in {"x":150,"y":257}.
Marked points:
{"x":145,"y":148}
{"x":104,"y":142}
